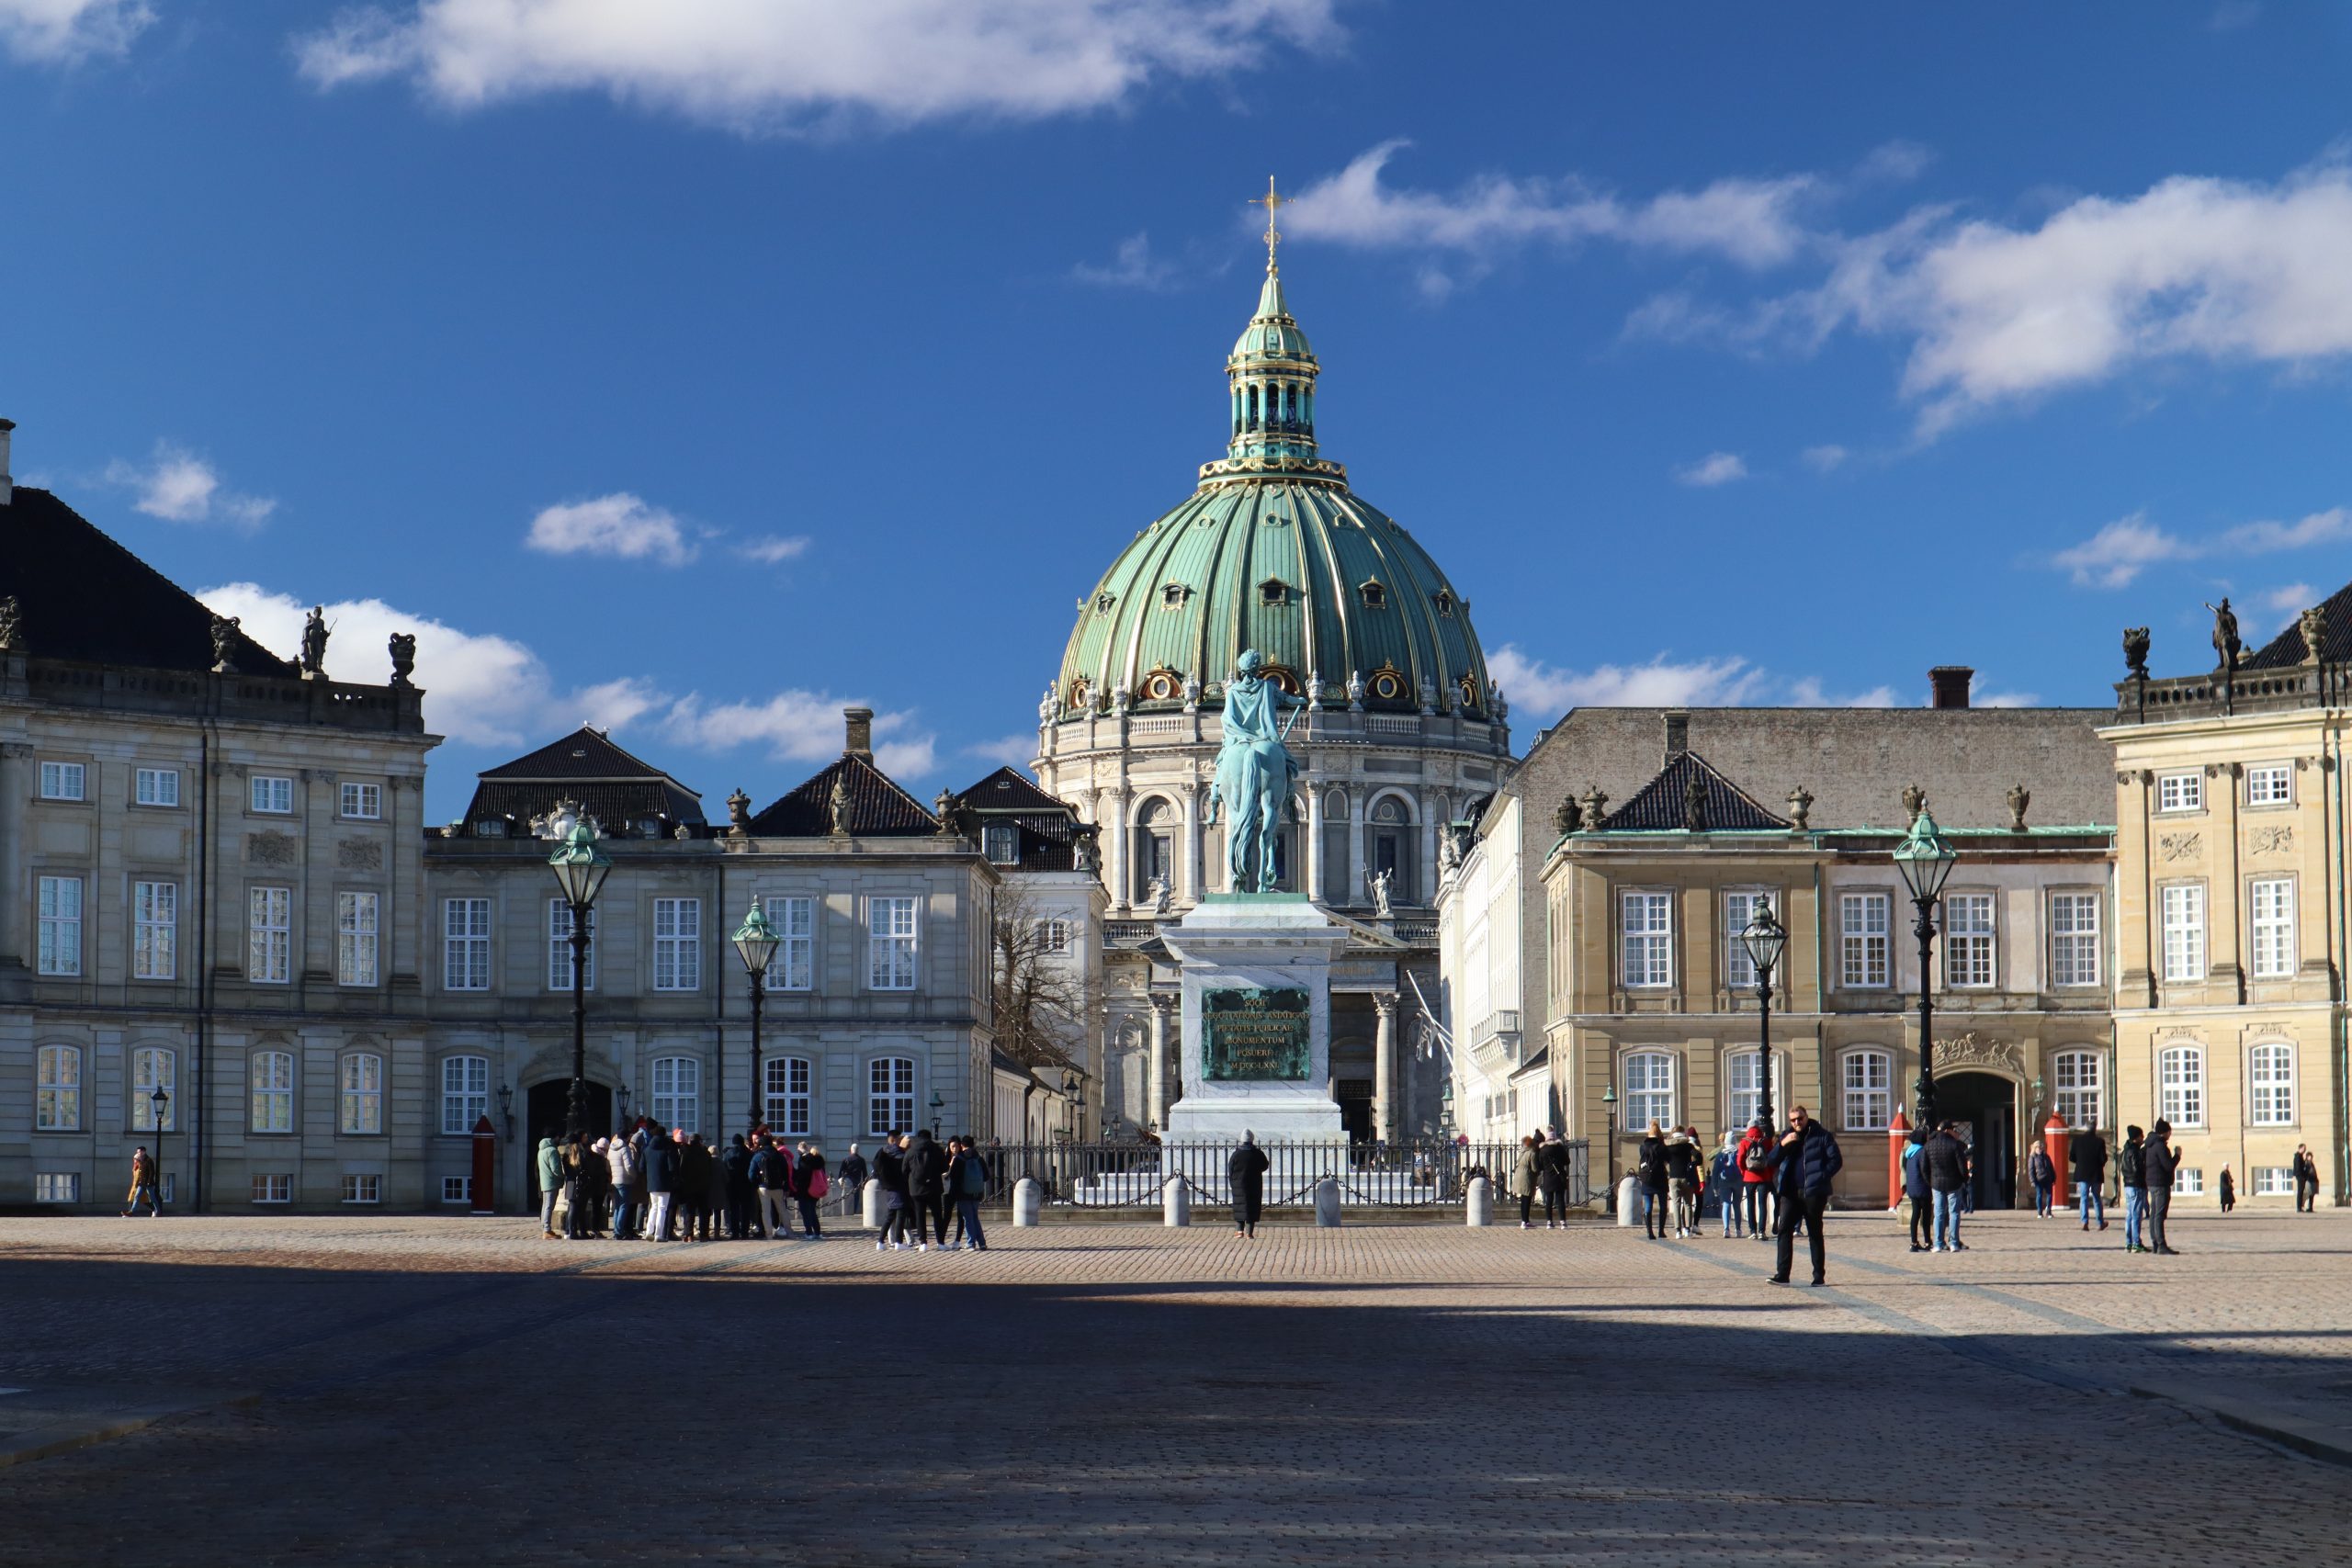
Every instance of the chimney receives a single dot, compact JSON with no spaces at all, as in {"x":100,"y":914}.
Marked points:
{"x":1678,"y":735}
{"x":1949,"y":684}
{"x":861,"y":732}
{"x":8,"y":485}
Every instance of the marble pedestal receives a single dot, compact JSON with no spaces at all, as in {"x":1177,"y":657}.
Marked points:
{"x":1239,"y":950}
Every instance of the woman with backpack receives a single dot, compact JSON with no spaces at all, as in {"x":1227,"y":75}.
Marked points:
{"x":1649,"y":1165}
{"x":968,"y":1183}
{"x":1723,"y":1185}
{"x":809,"y":1185}
{"x":1758,"y":1154}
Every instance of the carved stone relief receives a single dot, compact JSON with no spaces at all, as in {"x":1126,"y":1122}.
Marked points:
{"x":272,"y":849}
{"x":2276,"y":839}
{"x":1975,"y":1050}
{"x":359,"y":854}
{"x":2177,"y":846}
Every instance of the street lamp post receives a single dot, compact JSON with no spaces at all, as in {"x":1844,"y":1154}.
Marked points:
{"x":1764,"y":939}
{"x":937,"y":1105}
{"x":580,"y":870}
{"x":1073,"y":1087}
{"x":757,"y":940}
{"x":160,"y":1104}
{"x":1924,"y":858}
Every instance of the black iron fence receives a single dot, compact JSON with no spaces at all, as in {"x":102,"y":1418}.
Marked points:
{"x":1383,"y":1176}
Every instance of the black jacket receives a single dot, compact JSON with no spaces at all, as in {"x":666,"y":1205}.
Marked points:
{"x":890,"y":1169}
{"x":1947,"y":1159}
{"x":1552,"y":1164}
{"x":1649,"y":1162}
{"x":739,"y":1168}
{"x":1245,"y":1171}
{"x":660,"y":1166}
{"x":926,"y":1168}
{"x":2161,"y":1163}
{"x":767,"y":1169}
{"x":805,"y":1172}
{"x":2088,"y":1154}
{"x":2133,"y":1163}
{"x":1808,"y":1165}
{"x":959,"y":1167}
{"x":853,"y":1171}
{"x":1682,"y":1160}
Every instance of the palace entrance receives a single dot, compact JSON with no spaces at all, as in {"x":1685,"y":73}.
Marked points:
{"x":1985,"y":1106}
{"x":545,"y":1108}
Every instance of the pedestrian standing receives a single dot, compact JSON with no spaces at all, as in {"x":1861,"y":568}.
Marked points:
{"x":927,"y":1188}
{"x":2131,"y":1164}
{"x":891,"y":1170}
{"x":659,"y":1168}
{"x":1915,"y":1188}
{"x":620,"y":1160}
{"x":2306,"y":1180}
{"x":771,"y":1184}
{"x":1551,"y":1179}
{"x":809,"y":1187}
{"x":1683,"y":1182}
{"x":1759,"y":1156}
{"x":1810,"y":1161}
{"x":1524,"y":1177}
{"x":968,"y":1183}
{"x":549,"y":1171}
{"x":2228,"y":1192}
{"x":143,"y":1188}
{"x":2088,"y":1154}
{"x":1245,"y":1176}
{"x":1649,"y":1166}
{"x":1724,"y":1182}
{"x":2043,"y":1173}
{"x":853,"y":1176}
{"x":2163,"y":1161}
{"x":736,"y":1167}
{"x":1946,"y":1161}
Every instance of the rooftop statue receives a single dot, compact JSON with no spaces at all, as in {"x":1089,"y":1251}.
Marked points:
{"x":1255,"y":773}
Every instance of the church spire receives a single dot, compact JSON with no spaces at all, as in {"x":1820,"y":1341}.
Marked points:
{"x":1271,"y":374}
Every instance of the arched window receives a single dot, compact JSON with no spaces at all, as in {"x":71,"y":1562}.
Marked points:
{"x":786,"y":1109}
{"x":2180,"y":1085}
{"x":1649,"y":1088}
{"x":677,"y":1093}
{"x":1743,"y":1074}
{"x":1869,"y":1078}
{"x":2270,"y":1079}
{"x":273,"y":1092}
{"x":1154,"y":851}
{"x":360,"y":1109}
{"x":1390,"y":847}
{"x":58,"y":1099}
{"x":890,"y":1095}
{"x":2079,"y":1081}
{"x":465,"y":1094}
{"x":154,"y":1067}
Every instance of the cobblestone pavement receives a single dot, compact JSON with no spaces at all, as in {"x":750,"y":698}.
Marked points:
{"x":437,"y":1390}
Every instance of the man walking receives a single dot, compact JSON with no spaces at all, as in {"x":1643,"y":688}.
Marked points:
{"x":2162,"y":1160}
{"x":1245,"y":1176}
{"x":1946,"y":1161}
{"x":1810,"y":1161}
{"x":2306,"y":1180}
{"x":143,"y":1188}
{"x":2131,"y":1167}
{"x":2088,"y":1156}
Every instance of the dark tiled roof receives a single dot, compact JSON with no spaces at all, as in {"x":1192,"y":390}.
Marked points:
{"x":2286,"y":650}
{"x":1659,"y":803}
{"x":82,"y":596}
{"x":616,"y":788}
{"x":1007,"y":789}
{"x":1046,"y":826}
{"x":878,"y":808}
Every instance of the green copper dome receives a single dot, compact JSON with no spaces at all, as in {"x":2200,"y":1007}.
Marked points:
{"x":1274,"y":552}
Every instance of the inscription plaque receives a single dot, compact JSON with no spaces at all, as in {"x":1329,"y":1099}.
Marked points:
{"x":1248,"y":1033}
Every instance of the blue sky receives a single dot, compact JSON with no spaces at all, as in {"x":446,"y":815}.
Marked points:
{"x":700,"y":367}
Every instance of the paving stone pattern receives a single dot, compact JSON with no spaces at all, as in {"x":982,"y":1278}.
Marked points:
{"x":438,"y":1389}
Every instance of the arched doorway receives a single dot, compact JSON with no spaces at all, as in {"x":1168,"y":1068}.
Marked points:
{"x":1985,"y":1106}
{"x":546,"y":1108}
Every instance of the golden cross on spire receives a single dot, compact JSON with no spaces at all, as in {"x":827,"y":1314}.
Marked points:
{"x":1270,"y":201}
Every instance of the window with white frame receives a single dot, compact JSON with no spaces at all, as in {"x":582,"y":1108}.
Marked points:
{"x":465,"y":945}
{"x":361,"y":1109}
{"x":273,"y":1188}
{"x":1744,"y":1075}
{"x":2183,"y":906}
{"x":60,"y":939}
{"x":2181,"y":792}
{"x":456,"y":1190}
{"x":2268,"y":785}
{"x":57,"y":1089}
{"x":2074,"y":939}
{"x":891,"y":944}
{"x":2272,"y":904}
{"x":63,"y":781}
{"x":156,"y":786}
{"x":2180,"y":1085}
{"x":2188,"y":1181}
{"x":1646,"y":928}
{"x":1054,"y":935}
{"x":1870,"y":1090}
{"x":1968,"y":941}
{"x":355,"y":939}
{"x":57,"y":1187}
{"x":1862,"y":940}
{"x":154,"y":1067}
{"x":1739,"y":972}
{"x":677,"y":1093}
{"x":2079,"y":1075}
{"x":269,"y":935}
{"x":363,"y":1189}
{"x":786,"y":1111}
{"x":273,"y":1092}
{"x":890,"y":1095}
{"x":2270,"y":1085}
{"x":1649,"y":1088}
{"x":2274,"y":1180}
{"x":677,"y":944}
{"x":559,"y":947}
{"x":793,"y":916}
{"x":271,"y":794}
{"x":362,"y":802}
{"x":465,"y":1094}
{"x":154,"y":930}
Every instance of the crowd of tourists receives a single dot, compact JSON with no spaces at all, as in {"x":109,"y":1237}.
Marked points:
{"x":660,"y":1184}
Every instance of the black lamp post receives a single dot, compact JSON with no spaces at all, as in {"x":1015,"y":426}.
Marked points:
{"x":160,"y":1104}
{"x":937,"y":1105}
{"x":580,"y":870}
{"x":1764,"y":939}
{"x":1925,"y":859}
{"x":1073,"y":1090}
{"x":757,"y":940}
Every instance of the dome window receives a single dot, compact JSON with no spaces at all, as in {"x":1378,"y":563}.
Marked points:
{"x":1444,"y":602}
{"x":1162,"y":687}
{"x":1375,"y":597}
{"x":1388,"y":684}
{"x":1286,"y":678}
{"x":1104,"y":602}
{"x":1273,"y":594}
{"x":1469,"y":687}
{"x":1174,"y":594}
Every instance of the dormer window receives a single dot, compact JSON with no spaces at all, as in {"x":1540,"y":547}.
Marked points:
{"x":1173,"y":595}
{"x":1273,"y":594}
{"x":1445,"y":602}
{"x":1103,"y":602}
{"x":1375,"y":597}
{"x":490,"y":828}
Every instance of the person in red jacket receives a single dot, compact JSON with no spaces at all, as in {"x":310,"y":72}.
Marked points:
{"x":1756,"y":1155}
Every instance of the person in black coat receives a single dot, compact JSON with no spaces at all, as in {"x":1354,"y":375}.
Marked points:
{"x":2306,"y":1172}
{"x":2161,"y":1160}
{"x":927,"y":1186}
{"x":2088,"y":1154}
{"x":738,"y":1164}
{"x":1649,"y":1168}
{"x":1245,"y":1173}
{"x":660,"y":1182}
{"x":1947,"y":1160}
{"x":1810,"y":1161}
{"x":1551,"y":1179}
{"x":891,"y":1170}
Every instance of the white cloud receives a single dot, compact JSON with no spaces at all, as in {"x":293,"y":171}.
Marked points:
{"x":1822,"y":459}
{"x":1530,"y":683}
{"x":1806,"y":692}
{"x":1134,"y":267}
{"x":64,"y":31}
{"x":800,"y":725}
{"x":1009,"y":751}
{"x":2121,"y":551}
{"x":773,"y":550}
{"x":2232,"y":15}
{"x":617,"y":524}
{"x":760,"y":65}
{"x":1714,"y":468}
{"x":180,"y":487}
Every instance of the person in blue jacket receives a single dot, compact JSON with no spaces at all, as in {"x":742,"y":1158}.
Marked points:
{"x":1810,"y":1161}
{"x":1723,"y":1185}
{"x":1915,"y":1188}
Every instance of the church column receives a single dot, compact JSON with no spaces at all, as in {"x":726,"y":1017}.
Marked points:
{"x":1189,"y":863}
{"x":1355,"y":849}
{"x":1384,"y":1067}
{"x":1156,"y":1099}
{"x":1115,"y":807}
{"x":1425,"y":873}
{"x":1313,"y":859}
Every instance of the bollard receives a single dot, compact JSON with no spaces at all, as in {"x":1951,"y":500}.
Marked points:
{"x":1176,"y":1202}
{"x":1629,"y":1203}
{"x":1327,"y":1201}
{"x":1028,"y":1198}
{"x":1479,"y":1208}
{"x":876,"y":1216}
